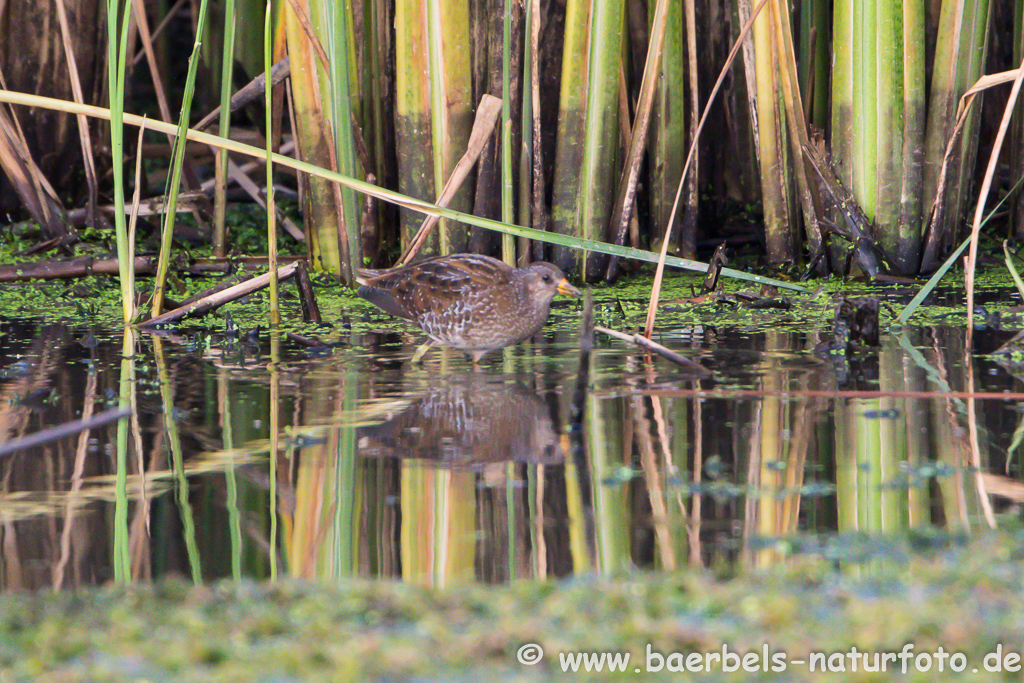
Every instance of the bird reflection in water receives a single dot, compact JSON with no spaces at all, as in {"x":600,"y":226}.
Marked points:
{"x":468,"y":421}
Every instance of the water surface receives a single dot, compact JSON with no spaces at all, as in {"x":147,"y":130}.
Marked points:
{"x":447,"y":472}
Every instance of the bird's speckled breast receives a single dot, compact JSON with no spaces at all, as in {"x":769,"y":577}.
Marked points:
{"x":480,"y":321}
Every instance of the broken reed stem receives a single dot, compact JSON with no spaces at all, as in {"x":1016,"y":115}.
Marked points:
{"x":657,"y":348}
{"x":220,"y":298}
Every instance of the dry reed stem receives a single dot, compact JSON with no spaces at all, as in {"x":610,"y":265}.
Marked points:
{"x":972,"y":259}
{"x":659,"y":274}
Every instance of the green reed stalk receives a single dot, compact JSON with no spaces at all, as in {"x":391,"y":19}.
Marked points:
{"x":843,"y":91}
{"x":249,"y":31}
{"x":435,"y":73}
{"x":775,"y":163}
{"x":907,"y":251}
{"x":188,"y":524}
{"x":865,"y":110}
{"x":526,"y":154}
{"x":1017,"y":126}
{"x":893,"y":508}
{"x":508,"y":212}
{"x":797,"y":126}
{"x":117,"y":61}
{"x":603,"y":423}
{"x":333,"y":93}
{"x":230,"y":475}
{"x":374,"y":84}
{"x":687,"y":239}
{"x":435,"y":76}
{"x":960,"y":53}
{"x":898,"y":238}
{"x":412,"y":117}
{"x":668,"y":124}
{"x":454,"y":119}
{"x":340,"y":44}
{"x":310,"y":95}
{"x":274,"y":419}
{"x":346,"y":511}
{"x":268,"y":94}
{"x":625,"y":192}
{"x":174,"y":183}
{"x":571,"y":114}
{"x":878,"y":114}
{"x":599,"y":168}
{"x":224,"y":127}
{"x":121,"y":559}
{"x":814,"y":59}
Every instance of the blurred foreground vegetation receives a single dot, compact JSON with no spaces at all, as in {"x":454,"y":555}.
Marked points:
{"x":965,"y":597}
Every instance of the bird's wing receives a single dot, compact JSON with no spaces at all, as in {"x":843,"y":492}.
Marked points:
{"x":435,"y":284}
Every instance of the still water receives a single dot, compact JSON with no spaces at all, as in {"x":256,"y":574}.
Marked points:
{"x":252,"y":456}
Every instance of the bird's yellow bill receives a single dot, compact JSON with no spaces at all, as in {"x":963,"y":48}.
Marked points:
{"x":568,"y":290}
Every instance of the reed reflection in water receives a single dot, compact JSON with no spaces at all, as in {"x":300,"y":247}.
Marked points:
{"x":443,"y":474}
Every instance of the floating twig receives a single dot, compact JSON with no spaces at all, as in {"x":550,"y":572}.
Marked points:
{"x":657,"y":348}
{"x":64,"y":430}
{"x":218,"y":299}
{"x":230,"y":282}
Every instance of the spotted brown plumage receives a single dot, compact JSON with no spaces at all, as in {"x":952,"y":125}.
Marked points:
{"x":467,"y":301}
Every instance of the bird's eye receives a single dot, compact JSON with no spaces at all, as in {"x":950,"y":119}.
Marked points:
{"x":546,"y":277}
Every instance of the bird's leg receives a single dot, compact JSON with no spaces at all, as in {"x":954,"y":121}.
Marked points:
{"x":421,"y":351}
